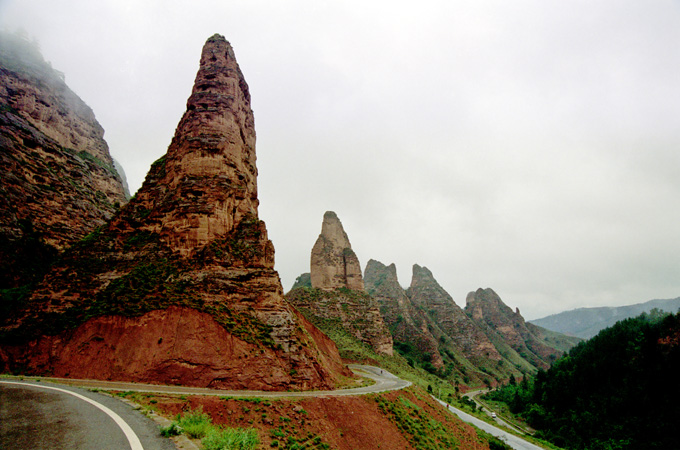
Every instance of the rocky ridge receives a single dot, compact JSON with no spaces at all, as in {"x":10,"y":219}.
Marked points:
{"x":486,"y":341}
{"x":187,"y":251}
{"x":430,"y":297}
{"x":487,"y":310}
{"x":407,"y":324}
{"x":336,"y":297}
{"x":59,"y":180}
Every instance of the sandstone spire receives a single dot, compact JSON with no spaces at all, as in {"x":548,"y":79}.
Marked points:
{"x":206,"y":184}
{"x":333,"y":263}
{"x":186,"y":267}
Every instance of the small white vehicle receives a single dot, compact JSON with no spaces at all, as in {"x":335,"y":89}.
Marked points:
{"x":493,"y":415}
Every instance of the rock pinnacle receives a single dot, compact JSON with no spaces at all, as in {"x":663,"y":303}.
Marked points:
{"x":333,"y":263}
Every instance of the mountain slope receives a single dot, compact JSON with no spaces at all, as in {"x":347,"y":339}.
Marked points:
{"x":616,"y":390}
{"x":59,"y":180}
{"x":587,"y":322}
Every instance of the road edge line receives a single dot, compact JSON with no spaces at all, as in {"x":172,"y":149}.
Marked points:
{"x":133,"y":439}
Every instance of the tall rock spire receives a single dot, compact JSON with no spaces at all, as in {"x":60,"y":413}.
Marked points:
{"x":187,"y":254}
{"x":206,"y":184}
{"x":334,"y":264}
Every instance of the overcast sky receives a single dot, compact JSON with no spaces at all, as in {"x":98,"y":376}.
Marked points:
{"x":532,"y":147}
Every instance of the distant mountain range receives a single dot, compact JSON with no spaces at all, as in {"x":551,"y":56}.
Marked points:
{"x":587,"y":322}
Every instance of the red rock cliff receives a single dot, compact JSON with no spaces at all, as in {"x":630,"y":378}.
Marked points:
{"x":188,"y":243}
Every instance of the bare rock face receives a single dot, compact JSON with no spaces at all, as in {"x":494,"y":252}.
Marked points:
{"x":408,"y":325}
{"x":334,"y":264}
{"x":428,"y":295}
{"x":59,"y":181}
{"x":172,"y":346}
{"x":487,"y":309}
{"x":189,"y":241}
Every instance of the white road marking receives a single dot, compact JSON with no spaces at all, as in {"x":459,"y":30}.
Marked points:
{"x":135,"y":443}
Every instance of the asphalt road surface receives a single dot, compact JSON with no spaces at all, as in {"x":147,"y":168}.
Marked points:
{"x":36,"y":416}
{"x":384,"y":381}
{"x":513,"y":441}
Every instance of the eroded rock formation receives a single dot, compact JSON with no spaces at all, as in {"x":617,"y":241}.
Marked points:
{"x":59,"y":180}
{"x":408,"y":325}
{"x":334,"y":264}
{"x":487,"y":309}
{"x":356,"y":312}
{"x":336,"y":298}
{"x":188,"y":245}
{"x":428,"y":295}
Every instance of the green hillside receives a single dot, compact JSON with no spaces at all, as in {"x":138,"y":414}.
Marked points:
{"x":618,"y":390}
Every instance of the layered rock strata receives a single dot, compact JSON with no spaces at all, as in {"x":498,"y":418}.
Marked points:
{"x":188,"y":251}
{"x":487,"y":309}
{"x":336,"y":297}
{"x":429,"y":296}
{"x":407,"y":324}
{"x":356,"y":312}
{"x":333,"y":263}
{"x":59,"y":180}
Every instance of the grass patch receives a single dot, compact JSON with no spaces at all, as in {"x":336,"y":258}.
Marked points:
{"x":231,"y":438}
{"x":195,"y":424}
{"x":198,"y":425}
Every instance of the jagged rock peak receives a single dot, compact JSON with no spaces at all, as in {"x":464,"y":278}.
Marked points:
{"x":373,"y":265}
{"x":333,"y":263}
{"x":408,"y":324}
{"x":427,"y":294}
{"x":379,"y":277}
{"x":485,"y":300}
{"x":423,"y":276}
{"x":487,"y":309}
{"x":206,"y":184}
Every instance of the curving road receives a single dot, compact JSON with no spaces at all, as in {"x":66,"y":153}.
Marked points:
{"x":513,"y":441}
{"x":36,"y":416}
{"x":384,"y":381}
{"x":58,"y":406}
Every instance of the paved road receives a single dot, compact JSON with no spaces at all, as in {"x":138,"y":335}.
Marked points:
{"x":384,"y":381}
{"x":473,"y":396}
{"x":35,"y":416}
{"x":513,"y":441}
